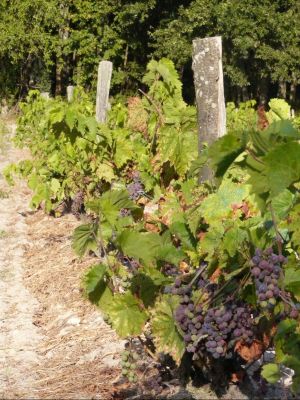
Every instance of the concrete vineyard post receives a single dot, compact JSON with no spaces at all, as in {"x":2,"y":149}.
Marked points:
{"x":103,"y":86}
{"x":70,"y":93}
{"x":209,"y":88}
{"x":45,"y":95}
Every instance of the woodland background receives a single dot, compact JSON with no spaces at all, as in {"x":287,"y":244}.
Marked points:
{"x":48,"y":44}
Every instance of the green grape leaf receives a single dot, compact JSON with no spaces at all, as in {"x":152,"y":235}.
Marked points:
{"x":110,"y":204}
{"x":146,"y":288}
{"x":280,"y":168}
{"x":127,"y":317}
{"x":124,"y":149}
{"x":283,"y":128}
{"x":271,"y":372}
{"x":142,"y":246}
{"x":282,"y":203}
{"x":105,"y":172}
{"x":95,"y":286}
{"x":233,"y":239}
{"x":219,"y":205}
{"x":84,"y":238}
{"x":292,"y":277}
{"x":294,"y":225}
{"x":179,"y":147}
{"x":54,"y":185}
{"x":71,"y":118}
{"x":279,"y":109}
{"x":167,"y":338}
{"x":212,"y":240}
{"x":223,"y":152}
{"x":182,"y":232}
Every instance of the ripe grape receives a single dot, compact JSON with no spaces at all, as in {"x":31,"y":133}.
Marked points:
{"x":135,"y":189}
{"x":210,"y":331}
{"x":266,"y":270}
{"x":294,"y":313}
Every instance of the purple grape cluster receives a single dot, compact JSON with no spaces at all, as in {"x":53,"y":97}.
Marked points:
{"x":213,"y":331}
{"x":266,"y":270}
{"x":124,"y":212}
{"x":135,"y":189}
{"x":170,"y":270}
{"x":77,"y":204}
{"x":131,"y":264}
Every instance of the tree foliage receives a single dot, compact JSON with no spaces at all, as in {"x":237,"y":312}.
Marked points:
{"x":49,"y":44}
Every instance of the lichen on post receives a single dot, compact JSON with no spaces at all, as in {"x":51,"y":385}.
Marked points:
{"x":103,"y":86}
{"x":209,"y":88}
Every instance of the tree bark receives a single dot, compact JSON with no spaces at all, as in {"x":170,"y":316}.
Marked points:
{"x":282,"y":89}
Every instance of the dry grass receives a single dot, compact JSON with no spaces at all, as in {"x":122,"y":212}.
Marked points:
{"x":80,"y":352}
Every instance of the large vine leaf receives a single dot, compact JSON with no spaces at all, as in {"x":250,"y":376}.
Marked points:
{"x":96,"y":288}
{"x":166,"y":335}
{"x":182,"y":232}
{"x":126,"y":315}
{"x":271,"y":372}
{"x":294,"y":225}
{"x":84,"y":238}
{"x":279,"y":169}
{"x":123,"y":147}
{"x":292,"y":276}
{"x":177,"y":146}
{"x":223,"y":152}
{"x":233,"y":239}
{"x":142,"y":246}
{"x":219,"y":205}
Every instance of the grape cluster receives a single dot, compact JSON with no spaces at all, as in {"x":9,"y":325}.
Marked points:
{"x":170,"y":270}
{"x":266,"y":270}
{"x":214,"y":331}
{"x":128,"y":363}
{"x":135,"y":189}
{"x":77,"y":204}
{"x":131,"y":264}
{"x":124,"y":212}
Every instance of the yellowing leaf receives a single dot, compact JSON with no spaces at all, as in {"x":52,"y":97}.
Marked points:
{"x":126,"y":315}
{"x":166,"y":335}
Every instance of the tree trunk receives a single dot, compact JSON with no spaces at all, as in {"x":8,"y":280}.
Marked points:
{"x":282,"y":89}
{"x":62,"y":66}
{"x":245,"y":94}
{"x":263,"y":90}
{"x":292,"y":96}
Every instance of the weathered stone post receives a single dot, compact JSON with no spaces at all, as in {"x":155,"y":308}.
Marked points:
{"x":70,"y":93}
{"x":45,"y":95}
{"x":209,"y":87}
{"x":103,"y":86}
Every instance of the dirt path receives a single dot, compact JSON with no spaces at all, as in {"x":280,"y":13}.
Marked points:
{"x":53,"y":343}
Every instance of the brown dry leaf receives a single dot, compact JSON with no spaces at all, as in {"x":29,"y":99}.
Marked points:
{"x":151,"y":227}
{"x":201,"y":235}
{"x":184,"y":267}
{"x":215,"y":276}
{"x":142,"y":201}
{"x":250,"y":352}
{"x":267,"y":337}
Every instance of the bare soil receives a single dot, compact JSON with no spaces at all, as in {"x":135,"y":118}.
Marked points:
{"x":53,"y":343}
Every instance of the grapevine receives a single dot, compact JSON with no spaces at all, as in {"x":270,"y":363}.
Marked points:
{"x":191,"y":268}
